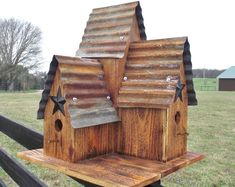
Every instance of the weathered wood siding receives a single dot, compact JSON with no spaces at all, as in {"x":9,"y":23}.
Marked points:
{"x":141,"y":133}
{"x":57,"y":143}
{"x":176,"y":132}
{"x":93,"y":141}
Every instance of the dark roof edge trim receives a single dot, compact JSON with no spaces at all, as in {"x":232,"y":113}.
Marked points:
{"x":140,"y":20}
{"x":47,"y":87}
{"x":192,"y":100}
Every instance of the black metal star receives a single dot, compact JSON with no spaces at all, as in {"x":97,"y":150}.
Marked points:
{"x":179,"y":88}
{"x":59,"y":102}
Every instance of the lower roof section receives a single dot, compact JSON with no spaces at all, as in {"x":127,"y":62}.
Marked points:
{"x":153,"y":71}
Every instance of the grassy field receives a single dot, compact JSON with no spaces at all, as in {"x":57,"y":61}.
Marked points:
{"x":207,"y":84}
{"x":211,"y":128}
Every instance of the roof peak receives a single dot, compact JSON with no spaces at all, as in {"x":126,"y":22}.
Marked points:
{"x":108,"y":31}
{"x":115,"y":6}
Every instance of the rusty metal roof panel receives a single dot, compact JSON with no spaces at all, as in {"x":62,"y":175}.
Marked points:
{"x":87,"y":99}
{"x":152,"y":73}
{"x":107,"y":31}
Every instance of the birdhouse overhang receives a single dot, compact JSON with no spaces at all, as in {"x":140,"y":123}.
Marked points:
{"x":81,"y":94}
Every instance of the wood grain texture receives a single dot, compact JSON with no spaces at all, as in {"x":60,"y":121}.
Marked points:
{"x":135,"y":31}
{"x":177,"y":132}
{"x":71,"y":144}
{"x":113,"y":169}
{"x":141,"y":132}
{"x":114,"y":68}
{"x":58,"y":143}
{"x":93,"y":141}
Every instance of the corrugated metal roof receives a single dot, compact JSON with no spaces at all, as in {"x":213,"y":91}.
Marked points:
{"x":107,"y":31}
{"x":228,"y":73}
{"x":85,"y":91}
{"x":152,"y":72}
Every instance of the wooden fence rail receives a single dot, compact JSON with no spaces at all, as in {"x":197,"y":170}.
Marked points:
{"x":18,"y":172}
{"x":21,"y":134}
{"x":2,"y":184}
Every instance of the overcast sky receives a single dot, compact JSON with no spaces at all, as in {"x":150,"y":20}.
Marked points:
{"x":209,"y":24}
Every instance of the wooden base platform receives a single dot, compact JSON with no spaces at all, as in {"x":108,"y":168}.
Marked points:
{"x":113,"y":169}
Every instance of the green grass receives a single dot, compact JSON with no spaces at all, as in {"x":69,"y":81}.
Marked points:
{"x":207,"y":84}
{"x":212,"y":132}
{"x":22,"y":107}
{"x":211,"y":128}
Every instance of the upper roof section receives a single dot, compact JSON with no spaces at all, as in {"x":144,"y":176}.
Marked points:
{"x":107,"y":33}
{"x":83,"y":87}
{"x":228,"y":73}
{"x":153,"y":72}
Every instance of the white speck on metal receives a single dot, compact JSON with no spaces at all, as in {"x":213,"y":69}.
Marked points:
{"x":168,"y":78}
{"x":75,"y":99}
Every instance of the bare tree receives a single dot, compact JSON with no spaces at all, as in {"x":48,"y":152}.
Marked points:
{"x":19,"y":46}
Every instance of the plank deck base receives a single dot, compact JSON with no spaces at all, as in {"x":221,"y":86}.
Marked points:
{"x":113,"y":169}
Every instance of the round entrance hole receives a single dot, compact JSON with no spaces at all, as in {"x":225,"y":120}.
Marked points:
{"x":177,"y":117}
{"x":58,"y":125}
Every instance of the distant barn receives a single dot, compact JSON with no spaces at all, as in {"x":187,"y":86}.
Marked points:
{"x":226,"y":80}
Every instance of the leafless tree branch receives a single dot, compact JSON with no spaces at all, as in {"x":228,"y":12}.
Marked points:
{"x":19,"y":42}
{"x":19,"y":45}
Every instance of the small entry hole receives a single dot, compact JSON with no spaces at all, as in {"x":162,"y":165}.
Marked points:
{"x":177,"y":117}
{"x":58,"y":125}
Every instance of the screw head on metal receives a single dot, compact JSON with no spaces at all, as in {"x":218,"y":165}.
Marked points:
{"x":124,"y":78}
{"x":108,"y":97}
{"x":75,"y":99}
{"x":168,"y":78}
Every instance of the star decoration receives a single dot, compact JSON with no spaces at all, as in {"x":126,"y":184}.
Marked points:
{"x":59,"y":102}
{"x":179,"y":88}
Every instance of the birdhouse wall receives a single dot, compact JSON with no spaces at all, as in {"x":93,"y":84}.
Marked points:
{"x":175,"y":139}
{"x":113,"y":70}
{"x":85,"y":125}
{"x":94,"y":141}
{"x":141,"y":132}
{"x":58,"y":133}
{"x":135,"y":31}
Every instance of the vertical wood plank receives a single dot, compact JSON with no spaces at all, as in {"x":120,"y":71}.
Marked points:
{"x":135,"y":32}
{"x":177,"y":132}
{"x":141,"y":132}
{"x":59,"y":144}
{"x":94,"y":141}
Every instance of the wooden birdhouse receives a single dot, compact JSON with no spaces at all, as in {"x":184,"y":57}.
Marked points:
{"x":122,"y":99}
